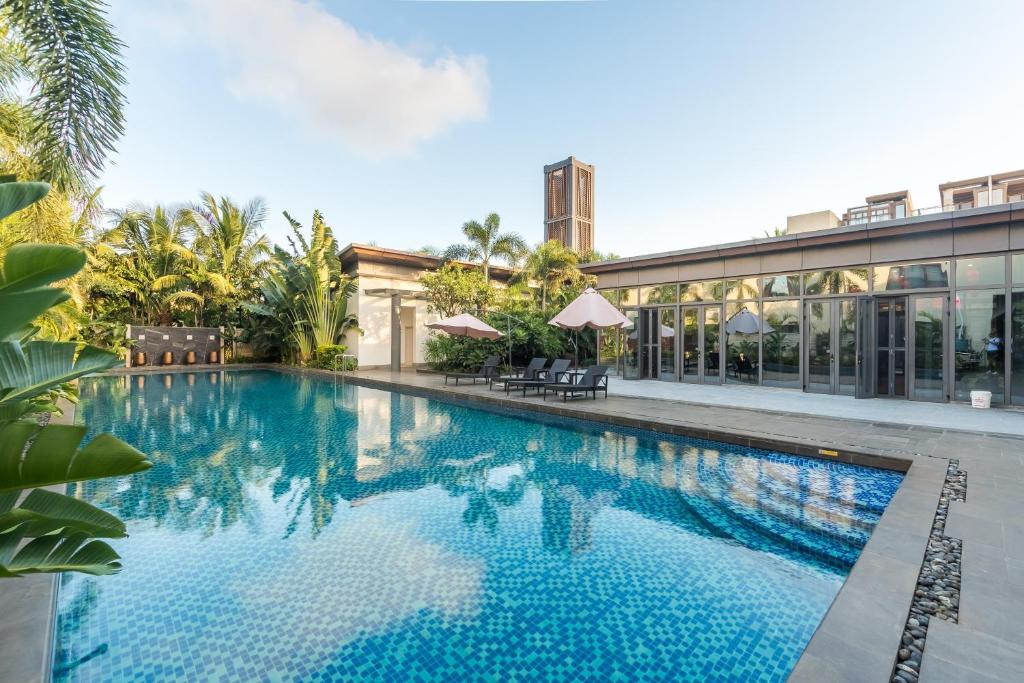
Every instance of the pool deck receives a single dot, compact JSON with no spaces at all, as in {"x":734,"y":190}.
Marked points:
{"x":859,"y":637}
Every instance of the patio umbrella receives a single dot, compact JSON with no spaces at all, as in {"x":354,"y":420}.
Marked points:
{"x":466,"y":325}
{"x":589,"y":310}
{"x":592,"y":310}
{"x":746,"y":322}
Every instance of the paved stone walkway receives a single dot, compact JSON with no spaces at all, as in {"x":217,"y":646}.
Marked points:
{"x":956,"y":415}
{"x":860,"y":635}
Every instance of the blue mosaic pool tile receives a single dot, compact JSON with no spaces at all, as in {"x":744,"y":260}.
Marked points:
{"x":291,"y":530}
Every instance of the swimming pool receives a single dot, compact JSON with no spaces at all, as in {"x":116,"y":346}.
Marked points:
{"x":291,"y":529}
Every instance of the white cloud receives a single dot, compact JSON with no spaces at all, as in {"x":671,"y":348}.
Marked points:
{"x":374,"y":96}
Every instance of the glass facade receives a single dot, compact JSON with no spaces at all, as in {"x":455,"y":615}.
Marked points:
{"x":929,"y":313}
{"x":658,"y":294}
{"x":1017,"y":346}
{"x":742,"y":289}
{"x":979,"y":342}
{"x":980,"y":271}
{"x":711,"y":290}
{"x":743,"y":348}
{"x":781,"y":342}
{"x":934,"y":274}
{"x":836,"y":281}
{"x":937,"y":330}
{"x":781,"y":286}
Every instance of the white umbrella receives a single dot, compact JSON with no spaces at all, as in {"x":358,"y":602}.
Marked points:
{"x":592,"y":310}
{"x":746,"y":322}
{"x":466,"y":325}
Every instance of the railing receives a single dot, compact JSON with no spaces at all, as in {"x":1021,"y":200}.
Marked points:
{"x":342,"y":356}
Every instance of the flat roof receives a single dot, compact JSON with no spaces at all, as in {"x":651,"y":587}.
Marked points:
{"x":355,"y":252}
{"x":947,"y":220}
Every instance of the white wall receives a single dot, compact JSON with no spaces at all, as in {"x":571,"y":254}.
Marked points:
{"x":373,"y":347}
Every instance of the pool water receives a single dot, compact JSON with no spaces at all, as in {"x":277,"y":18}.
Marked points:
{"x":292,"y":529}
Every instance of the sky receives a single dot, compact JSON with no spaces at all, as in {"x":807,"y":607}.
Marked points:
{"x":707,"y":122}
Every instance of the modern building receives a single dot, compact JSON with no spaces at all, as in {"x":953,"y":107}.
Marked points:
{"x":569,"y":204}
{"x":390,"y":304}
{"x":927,"y":306}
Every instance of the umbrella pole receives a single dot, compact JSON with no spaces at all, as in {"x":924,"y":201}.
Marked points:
{"x":508,"y":321}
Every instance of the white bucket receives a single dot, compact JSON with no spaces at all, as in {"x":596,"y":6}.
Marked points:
{"x":981,"y":399}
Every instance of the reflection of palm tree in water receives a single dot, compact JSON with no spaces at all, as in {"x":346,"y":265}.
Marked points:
{"x":186,"y":492}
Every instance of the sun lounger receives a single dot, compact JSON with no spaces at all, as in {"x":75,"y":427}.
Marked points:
{"x":487,"y":370}
{"x":529,"y":372}
{"x":556,"y":373}
{"x":595,"y":379}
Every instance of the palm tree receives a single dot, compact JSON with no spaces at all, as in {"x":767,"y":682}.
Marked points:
{"x":228,"y":238}
{"x":232,"y":254}
{"x":552,"y":265}
{"x":143,"y":254}
{"x":69,"y":52}
{"x":485,"y":243}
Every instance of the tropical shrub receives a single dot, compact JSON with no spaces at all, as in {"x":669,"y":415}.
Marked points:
{"x":41,"y":530}
{"x":327,"y":358}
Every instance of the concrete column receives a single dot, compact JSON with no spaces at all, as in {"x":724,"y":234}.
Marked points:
{"x":396,"y":332}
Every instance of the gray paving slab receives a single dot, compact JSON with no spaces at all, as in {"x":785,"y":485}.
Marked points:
{"x":958,"y":653}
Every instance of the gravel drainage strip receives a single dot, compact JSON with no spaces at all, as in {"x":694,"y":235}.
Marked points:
{"x":938,"y":584}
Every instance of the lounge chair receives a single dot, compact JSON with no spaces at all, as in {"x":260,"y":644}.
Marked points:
{"x":595,"y":379}
{"x":487,"y":370}
{"x":529,"y":372}
{"x":556,"y":373}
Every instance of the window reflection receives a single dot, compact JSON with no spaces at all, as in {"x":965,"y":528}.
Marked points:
{"x":980,"y":343}
{"x":1017,"y":348}
{"x":980,"y":272}
{"x":742,"y":289}
{"x":743,"y":327}
{"x":781,"y":366}
{"x":710,"y":290}
{"x":781,"y":285}
{"x":836,"y":281}
{"x":911,"y":276}
{"x":658,"y":294}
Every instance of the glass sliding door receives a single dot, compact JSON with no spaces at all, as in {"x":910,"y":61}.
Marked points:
{"x":979,"y":343}
{"x":690,"y":347}
{"x":929,"y":348}
{"x":667,"y":352}
{"x":891,"y":346}
{"x":846,"y":346}
{"x":1017,"y":343}
{"x":819,"y":346}
{"x":712,"y":349}
{"x":631,"y":346}
{"x":743,"y":342}
{"x":831,"y":339}
{"x":780,"y":366}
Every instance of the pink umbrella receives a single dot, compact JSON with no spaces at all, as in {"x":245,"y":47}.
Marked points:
{"x":465,"y":325}
{"x":592,"y":310}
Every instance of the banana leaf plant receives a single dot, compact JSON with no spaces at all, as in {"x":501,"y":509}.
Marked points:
{"x":41,"y":530}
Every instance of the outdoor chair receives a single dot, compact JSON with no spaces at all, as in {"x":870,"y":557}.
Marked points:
{"x":487,"y":370}
{"x":529,"y":372}
{"x":558,"y":372}
{"x":595,"y":379}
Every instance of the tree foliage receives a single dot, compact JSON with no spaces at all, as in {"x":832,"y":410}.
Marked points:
{"x":454,"y":289}
{"x":69,"y":52}
{"x":40,"y":530}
